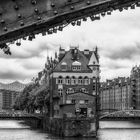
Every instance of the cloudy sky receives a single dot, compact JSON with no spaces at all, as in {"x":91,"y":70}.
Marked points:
{"x":117,"y":37}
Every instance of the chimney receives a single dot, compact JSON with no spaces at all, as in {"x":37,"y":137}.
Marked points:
{"x":86,"y":52}
{"x":61,"y":53}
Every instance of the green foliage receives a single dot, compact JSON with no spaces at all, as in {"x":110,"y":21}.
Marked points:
{"x":30,"y":101}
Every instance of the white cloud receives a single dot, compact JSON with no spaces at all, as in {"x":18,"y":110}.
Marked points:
{"x":117,"y":37}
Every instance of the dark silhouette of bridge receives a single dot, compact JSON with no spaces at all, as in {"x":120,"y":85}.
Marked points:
{"x":27,"y":18}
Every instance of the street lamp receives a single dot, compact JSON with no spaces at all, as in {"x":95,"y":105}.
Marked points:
{"x":96,"y":82}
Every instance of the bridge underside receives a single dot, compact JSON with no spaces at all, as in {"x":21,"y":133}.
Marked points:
{"x":29,"y":17}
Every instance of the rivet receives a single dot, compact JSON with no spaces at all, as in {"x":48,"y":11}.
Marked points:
{"x":2,"y":21}
{"x":22,"y":23}
{"x":72,"y":7}
{"x":88,"y":2}
{"x":36,"y":10}
{"x":33,"y":2}
{"x":5,"y":29}
{"x":52,"y":5}
{"x":19,"y":16}
{"x":38,"y":18}
{"x":16,"y":7}
{"x":55,"y":12}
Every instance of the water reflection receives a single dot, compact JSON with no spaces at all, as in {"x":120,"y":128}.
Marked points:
{"x":110,"y":130}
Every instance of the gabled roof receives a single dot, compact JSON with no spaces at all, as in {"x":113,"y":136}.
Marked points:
{"x":93,"y":60}
{"x":68,"y":59}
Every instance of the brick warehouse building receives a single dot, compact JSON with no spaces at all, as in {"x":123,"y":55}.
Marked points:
{"x":72,"y":76}
{"x":115,"y":94}
{"x":135,"y":87}
{"x":8,"y":94}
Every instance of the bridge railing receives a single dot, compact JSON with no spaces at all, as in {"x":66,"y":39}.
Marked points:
{"x":123,"y":113}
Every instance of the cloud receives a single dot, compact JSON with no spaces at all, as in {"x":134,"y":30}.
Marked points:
{"x":10,"y":69}
{"x":28,"y":50}
{"x":124,"y":52}
{"x":117,"y":37}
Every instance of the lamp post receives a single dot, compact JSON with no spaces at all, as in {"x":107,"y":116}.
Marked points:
{"x":96,"y":82}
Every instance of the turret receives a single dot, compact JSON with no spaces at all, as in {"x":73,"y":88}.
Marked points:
{"x":61,"y":53}
{"x":94,"y":63}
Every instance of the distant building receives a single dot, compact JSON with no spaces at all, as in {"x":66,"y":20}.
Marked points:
{"x":1,"y":101}
{"x":115,"y":95}
{"x":7,"y":99}
{"x":8,"y":93}
{"x":14,"y":86}
{"x":135,"y":87}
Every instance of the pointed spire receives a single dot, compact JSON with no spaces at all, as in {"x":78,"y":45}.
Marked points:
{"x":96,"y":53}
{"x":93,"y":60}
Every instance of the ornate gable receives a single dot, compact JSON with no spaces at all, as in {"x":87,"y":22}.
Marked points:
{"x":71,"y":57}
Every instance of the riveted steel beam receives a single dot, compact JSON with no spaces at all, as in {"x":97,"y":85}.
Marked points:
{"x":20,"y":18}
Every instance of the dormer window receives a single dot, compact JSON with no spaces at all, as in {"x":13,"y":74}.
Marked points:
{"x":76,"y":66}
{"x":64,"y":66}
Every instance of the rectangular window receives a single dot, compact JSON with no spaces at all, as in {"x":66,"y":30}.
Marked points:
{"x":80,"y":81}
{"x":76,"y":68}
{"x":60,"y":81}
{"x":73,"y":81}
{"x":67,"y":81}
{"x":68,"y":101}
{"x":81,"y":101}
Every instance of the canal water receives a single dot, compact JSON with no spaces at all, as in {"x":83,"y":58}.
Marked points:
{"x":110,"y":130}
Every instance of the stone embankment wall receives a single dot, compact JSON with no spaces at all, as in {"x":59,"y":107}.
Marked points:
{"x":70,"y":126}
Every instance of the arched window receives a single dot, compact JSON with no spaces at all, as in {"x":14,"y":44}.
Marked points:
{"x":80,"y":80}
{"x":60,"y":80}
{"x":60,"y":92}
{"x":73,"y":80}
{"x":86,"y":80}
{"x":67,"y":80}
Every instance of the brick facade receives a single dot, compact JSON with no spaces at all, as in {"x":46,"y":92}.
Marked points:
{"x":71,"y":82}
{"x":115,"y":94}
